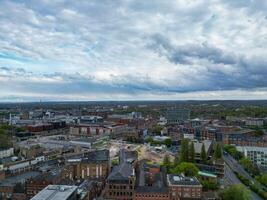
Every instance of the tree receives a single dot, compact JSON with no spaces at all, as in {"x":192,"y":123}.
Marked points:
{"x":209,"y":184}
{"x":236,"y":192}
{"x":176,"y":160}
{"x":233,"y":152}
{"x":149,"y":140}
{"x":248,"y":165}
{"x":218,"y":151}
{"x":192,"y":152}
{"x":168,"y":142}
{"x":5,"y":139}
{"x":166,"y":161}
{"x":184,"y":151}
{"x":203,"y":155}
{"x":189,"y":169}
{"x":262,"y":179}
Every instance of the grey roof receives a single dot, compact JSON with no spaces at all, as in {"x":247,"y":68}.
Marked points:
{"x":11,"y":181}
{"x":128,"y":156}
{"x":242,"y":131}
{"x":121,"y":172}
{"x":99,"y":155}
{"x":198,"y":146}
{"x":55,"y":192}
{"x":181,"y":180}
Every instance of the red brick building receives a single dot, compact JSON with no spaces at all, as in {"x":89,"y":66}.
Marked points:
{"x":181,"y":187}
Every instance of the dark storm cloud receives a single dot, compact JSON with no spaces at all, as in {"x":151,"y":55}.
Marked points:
{"x":248,"y":72}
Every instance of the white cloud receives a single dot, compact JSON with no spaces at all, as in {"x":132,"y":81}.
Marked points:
{"x":217,"y":46}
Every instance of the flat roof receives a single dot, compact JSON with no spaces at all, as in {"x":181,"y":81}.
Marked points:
{"x":55,"y":192}
{"x":176,"y":180}
{"x":207,"y":174}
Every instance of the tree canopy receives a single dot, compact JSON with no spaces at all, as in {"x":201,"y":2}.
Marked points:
{"x":218,"y":151}
{"x":203,"y":155}
{"x":236,"y":192}
{"x":188,"y":169}
{"x":184,"y":151}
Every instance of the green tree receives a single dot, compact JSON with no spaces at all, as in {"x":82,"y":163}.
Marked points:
{"x":149,"y":140}
{"x":262,"y":179}
{"x":236,"y":192}
{"x":248,"y":165}
{"x":166,"y":162}
{"x":233,"y":152}
{"x":176,"y":160}
{"x":184,"y":151}
{"x":209,"y":184}
{"x":5,"y":139}
{"x":189,"y":169}
{"x":203,"y":155}
{"x":218,"y":151}
{"x":192,"y":152}
{"x":168,"y":142}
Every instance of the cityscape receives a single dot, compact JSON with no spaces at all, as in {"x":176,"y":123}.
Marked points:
{"x":133,"y":100}
{"x":167,"y":150}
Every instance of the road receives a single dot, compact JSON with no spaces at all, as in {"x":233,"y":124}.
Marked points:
{"x":235,"y":166}
{"x":231,"y":179}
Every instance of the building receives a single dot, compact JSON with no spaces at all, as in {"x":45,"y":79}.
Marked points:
{"x":177,"y":115}
{"x":151,"y":193}
{"x":151,"y":182}
{"x":13,"y":187}
{"x":258,"y":155}
{"x":254,"y":122}
{"x":98,"y":129}
{"x":22,"y":166}
{"x":210,"y":133}
{"x":91,"y":119}
{"x":56,"y":192}
{"x":6,"y":152}
{"x":181,"y":187}
{"x":35,"y":184}
{"x":121,"y":182}
{"x":198,"y":146}
{"x":92,"y":164}
{"x":245,"y":138}
{"x":31,"y":151}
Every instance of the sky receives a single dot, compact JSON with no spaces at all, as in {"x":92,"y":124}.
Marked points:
{"x":132,"y":50}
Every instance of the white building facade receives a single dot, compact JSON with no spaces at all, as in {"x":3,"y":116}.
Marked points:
{"x":258,"y":155}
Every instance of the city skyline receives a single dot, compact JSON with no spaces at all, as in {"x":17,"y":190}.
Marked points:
{"x":133,"y":50}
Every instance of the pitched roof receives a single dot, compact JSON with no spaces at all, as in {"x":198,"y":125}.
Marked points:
{"x":121,"y":172}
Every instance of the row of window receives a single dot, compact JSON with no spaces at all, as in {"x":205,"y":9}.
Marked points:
{"x":120,"y":193}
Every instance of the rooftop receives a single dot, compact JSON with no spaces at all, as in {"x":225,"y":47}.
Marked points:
{"x":55,"y":192}
{"x":198,"y":145}
{"x":11,"y":181}
{"x":91,"y":156}
{"x":121,"y":172}
{"x":175,"y":180}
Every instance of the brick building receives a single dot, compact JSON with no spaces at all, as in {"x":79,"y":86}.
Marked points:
{"x":36,"y":184}
{"x":151,"y":182}
{"x":93,"y":165}
{"x":245,"y":138}
{"x":121,"y":182}
{"x":181,"y":187}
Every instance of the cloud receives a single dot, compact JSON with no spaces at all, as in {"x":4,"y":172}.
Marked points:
{"x":132,"y":48}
